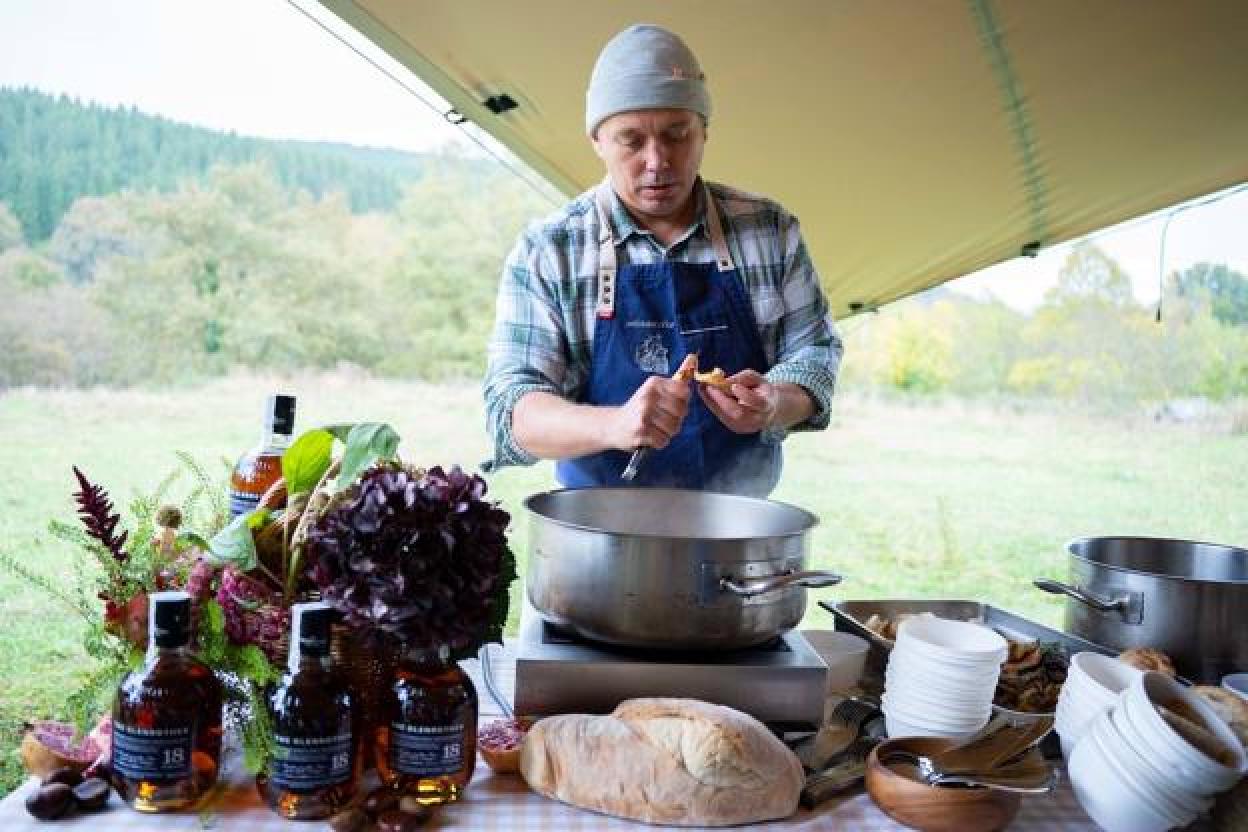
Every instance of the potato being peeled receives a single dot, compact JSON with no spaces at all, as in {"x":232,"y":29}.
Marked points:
{"x":713,"y":378}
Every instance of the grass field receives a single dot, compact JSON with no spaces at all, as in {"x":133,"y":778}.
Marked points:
{"x":932,"y":499}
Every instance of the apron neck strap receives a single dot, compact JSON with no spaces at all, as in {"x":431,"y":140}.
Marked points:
{"x":606,"y":252}
{"x":607,"y":263}
{"x":723,"y":257}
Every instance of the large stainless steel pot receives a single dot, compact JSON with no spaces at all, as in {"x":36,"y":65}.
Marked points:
{"x":1187,"y":599}
{"x":666,"y":568}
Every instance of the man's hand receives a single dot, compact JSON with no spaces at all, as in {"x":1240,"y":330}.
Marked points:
{"x":746,"y":403}
{"x":654,"y":414}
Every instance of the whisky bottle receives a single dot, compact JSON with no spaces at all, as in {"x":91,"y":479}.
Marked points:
{"x":167,"y":717}
{"x":426,"y":742}
{"x":314,"y":768}
{"x":260,"y":467}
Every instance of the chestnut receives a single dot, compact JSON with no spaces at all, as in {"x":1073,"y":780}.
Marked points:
{"x":65,"y":774}
{"x":399,"y":821}
{"x":50,"y":802}
{"x":380,"y":800}
{"x":412,"y":806}
{"x":92,"y":794}
{"x":349,"y":820}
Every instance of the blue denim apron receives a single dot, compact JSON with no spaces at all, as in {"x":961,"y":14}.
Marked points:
{"x":649,"y":317}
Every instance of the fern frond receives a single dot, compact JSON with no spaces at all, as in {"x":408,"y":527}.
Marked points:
{"x":212,"y":488}
{"x":44,"y":584}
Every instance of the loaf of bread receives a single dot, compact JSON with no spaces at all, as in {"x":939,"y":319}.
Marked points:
{"x":669,"y":761}
{"x":1230,"y":812}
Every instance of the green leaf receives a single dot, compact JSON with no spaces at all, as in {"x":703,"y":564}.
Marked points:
{"x":234,"y":544}
{"x":366,"y":442}
{"x":185,"y":539}
{"x":307,"y":460}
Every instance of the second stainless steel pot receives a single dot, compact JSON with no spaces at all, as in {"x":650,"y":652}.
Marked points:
{"x":1186,"y":599}
{"x":667,"y":568}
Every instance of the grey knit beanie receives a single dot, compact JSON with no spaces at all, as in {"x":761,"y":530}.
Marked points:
{"x":645,"y":67}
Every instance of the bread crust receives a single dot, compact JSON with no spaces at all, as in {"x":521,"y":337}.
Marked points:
{"x":669,"y":761}
{"x":1146,"y":658}
{"x":1230,"y":709}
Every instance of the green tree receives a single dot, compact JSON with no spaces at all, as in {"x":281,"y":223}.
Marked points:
{"x":1223,"y":288}
{"x":1089,"y":340}
{"x":1090,"y":277}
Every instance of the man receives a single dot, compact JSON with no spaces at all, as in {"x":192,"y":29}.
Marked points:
{"x":643,"y":275}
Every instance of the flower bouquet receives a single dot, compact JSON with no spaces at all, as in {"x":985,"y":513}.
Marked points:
{"x":399,"y":551}
{"x":418,"y":565}
{"x":164,"y":546}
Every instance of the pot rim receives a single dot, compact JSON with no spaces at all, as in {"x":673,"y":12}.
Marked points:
{"x":1070,"y":548}
{"x":811,"y":519}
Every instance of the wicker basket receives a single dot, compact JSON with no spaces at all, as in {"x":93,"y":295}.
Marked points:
{"x":369,"y":668}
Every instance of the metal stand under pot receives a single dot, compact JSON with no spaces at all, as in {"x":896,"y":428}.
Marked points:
{"x":780,"y":683}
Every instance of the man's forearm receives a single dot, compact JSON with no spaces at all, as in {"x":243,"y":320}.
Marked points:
{"x":551,"y":427}
{"x":793,"y":406}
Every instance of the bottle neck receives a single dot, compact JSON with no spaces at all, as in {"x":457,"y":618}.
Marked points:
{"x":300,"y":663}
{"x":274,"y":441}
{"x":156,"y":652}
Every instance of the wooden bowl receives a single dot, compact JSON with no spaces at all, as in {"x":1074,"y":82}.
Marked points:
{"x":898,"y":791}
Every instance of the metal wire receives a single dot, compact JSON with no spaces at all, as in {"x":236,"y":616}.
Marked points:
{"x":450,"y":115}
{"x":487,"y":676}
{"x":1165,"y":230}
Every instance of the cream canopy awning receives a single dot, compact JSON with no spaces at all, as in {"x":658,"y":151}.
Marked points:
{"x":916,"y":141}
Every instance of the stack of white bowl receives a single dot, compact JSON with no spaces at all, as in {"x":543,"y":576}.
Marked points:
{"x":941,"y":677}
{"x":1093,"y":684}
{"x":1133,"y":772}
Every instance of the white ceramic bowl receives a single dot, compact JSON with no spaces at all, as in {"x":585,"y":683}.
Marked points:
{"x":1151,"y":786}
{"x":1106,"y":793}
{"x":944,"y":693}
{"x":1155,"y":736}
{"x":845,"y":654}
{"x":1075,"y":710}
{"x":1102,"y":676}
{"x":1236,"y":683}
{"x":960,"y":672}
{"x":936,"y":717}
{"x":940,"y":712}
{"x":898,"y":726}
{"x":952,"y":641}
{"x":910,"y":675}
{"x":1150,"y":771}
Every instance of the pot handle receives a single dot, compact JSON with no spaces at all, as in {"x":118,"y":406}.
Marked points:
{"x":748,"y":589}
{"x":1129,"y":605}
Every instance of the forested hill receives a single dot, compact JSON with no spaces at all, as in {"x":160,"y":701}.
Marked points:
{"x":54,"y":149}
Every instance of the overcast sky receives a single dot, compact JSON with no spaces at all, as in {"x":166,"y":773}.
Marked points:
{"x":259,"y":67}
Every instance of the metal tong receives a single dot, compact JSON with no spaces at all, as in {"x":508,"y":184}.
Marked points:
{"x":684,"y":373}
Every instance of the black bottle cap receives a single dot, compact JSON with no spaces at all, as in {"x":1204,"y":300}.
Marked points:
{"x":313,"y":628}
{"x":279,"y":414}
{"x":170,"y":619}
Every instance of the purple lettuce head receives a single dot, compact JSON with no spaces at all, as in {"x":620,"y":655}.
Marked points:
{"x":418,"y":560}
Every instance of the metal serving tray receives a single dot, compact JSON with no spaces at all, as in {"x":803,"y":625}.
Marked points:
{"x":851,"y":616}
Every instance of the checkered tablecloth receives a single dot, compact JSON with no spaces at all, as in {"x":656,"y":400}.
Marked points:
{"x":498,"y":802}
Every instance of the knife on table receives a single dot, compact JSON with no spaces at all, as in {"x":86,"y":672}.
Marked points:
{"x":684,"y":373}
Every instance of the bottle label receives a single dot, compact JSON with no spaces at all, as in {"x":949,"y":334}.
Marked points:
{"x":310,"y":763}
{"x":152,"y":754}
{"x":426,"y":750}
{"x":242,"y":502}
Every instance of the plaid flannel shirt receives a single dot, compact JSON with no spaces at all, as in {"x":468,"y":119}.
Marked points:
{"x":544,"y":324}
